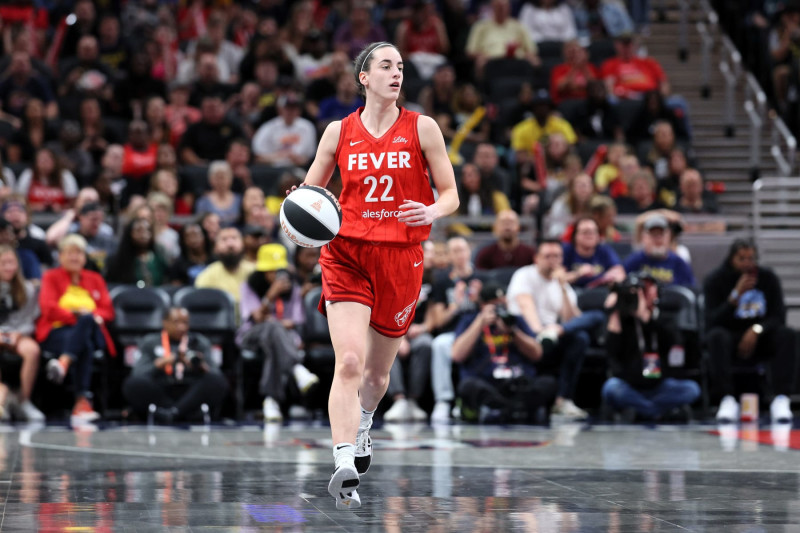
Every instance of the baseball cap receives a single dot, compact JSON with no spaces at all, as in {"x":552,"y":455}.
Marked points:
{"x":656,"y":222}
{"x":271,"y":257}
{"x":91,"y":207}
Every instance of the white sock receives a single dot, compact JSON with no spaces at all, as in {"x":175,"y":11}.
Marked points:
{"x":344,"y":454}
{"x":366,"y":420}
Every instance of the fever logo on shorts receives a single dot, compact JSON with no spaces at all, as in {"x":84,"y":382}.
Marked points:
{"x":402,"y":317}
{"x":317,"y":205}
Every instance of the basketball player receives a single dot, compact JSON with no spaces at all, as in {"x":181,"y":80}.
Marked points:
{"x":372,"y":271}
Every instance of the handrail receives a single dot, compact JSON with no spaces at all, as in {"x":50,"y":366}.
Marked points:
{"x":753,"y":91}
{"x":707,"y":46}
{"x":729,"y":109}
{"x":683,"y":31}
{"x":756,"y":123}
{"x":781,"y":131}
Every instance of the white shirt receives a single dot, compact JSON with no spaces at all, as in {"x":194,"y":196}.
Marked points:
{"x":275,"y":135}
{"x":556,"y":24}
{"x":546,"y":294}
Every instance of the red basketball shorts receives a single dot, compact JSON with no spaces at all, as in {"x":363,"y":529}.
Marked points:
{"x":385,"y":278}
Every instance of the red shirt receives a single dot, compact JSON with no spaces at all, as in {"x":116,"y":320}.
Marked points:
{"x":560,"y":72}
{"x":54,"y":284}
{"x":137,"y":164}
{"x":42,"y":194}
{"x":378,"y":175}
{"x":637,"y":75}
{"x":423,"y":40}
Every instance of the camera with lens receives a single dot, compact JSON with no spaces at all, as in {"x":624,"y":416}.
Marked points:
{"x":627,"y":292}
{"x":194,"y":360}
{"x":502,"y":313}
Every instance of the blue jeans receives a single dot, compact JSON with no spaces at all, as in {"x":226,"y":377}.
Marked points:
{"x":586,"y":322}
{"x":79,"y":342}
{"x":652,"y":403}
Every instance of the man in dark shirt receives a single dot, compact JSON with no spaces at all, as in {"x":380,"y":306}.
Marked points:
{"x":746,"y":321}
{"x":208,"y":139}
{"x":21,"y":84}
{"x":507,"y":250}
{"x":588,"y":261}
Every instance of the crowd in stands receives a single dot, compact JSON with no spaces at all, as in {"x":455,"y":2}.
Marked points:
{"x":149,"y":143}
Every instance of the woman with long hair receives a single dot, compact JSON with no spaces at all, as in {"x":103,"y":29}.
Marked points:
{"x":47,"y":186}
{"x":195,"y":254}
{"x":138,"y":261}
{"x":33,"y":134}
{"x":19,"y":308}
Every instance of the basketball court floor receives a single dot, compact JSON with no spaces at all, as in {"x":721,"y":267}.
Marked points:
{"x":460,"y":478}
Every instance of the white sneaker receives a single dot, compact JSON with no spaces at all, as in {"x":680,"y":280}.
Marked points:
{"x":441,"y":413}
{"x":416,"y":413}
{"x":55,"y":372}
{"x":363,"y":453}
{"x":304,"y":378}
{"x":728,"y":410}
{"x":399,"y":412}
{"x":780,"y":410}
{"x":343,"y":485}
{"x":272,"y":411}
{"x":30,"y":413}
{"x":568,"y":409}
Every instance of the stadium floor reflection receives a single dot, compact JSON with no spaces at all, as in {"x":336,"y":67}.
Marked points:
{"x":455,"y":478}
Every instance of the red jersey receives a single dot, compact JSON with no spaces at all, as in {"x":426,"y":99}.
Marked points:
{"x":138,"y":164}
{"x":638,"y":75}
{"x":378,"y":175}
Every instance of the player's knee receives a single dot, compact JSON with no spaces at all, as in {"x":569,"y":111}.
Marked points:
{"x":375,"y":380}
{"x":349,"y":364}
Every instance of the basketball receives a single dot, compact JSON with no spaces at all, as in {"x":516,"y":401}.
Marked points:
{"x":311,"y":216}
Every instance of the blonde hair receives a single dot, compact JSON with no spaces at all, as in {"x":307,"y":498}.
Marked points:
{"x":159,"y":199}
{"x":73,"y":239}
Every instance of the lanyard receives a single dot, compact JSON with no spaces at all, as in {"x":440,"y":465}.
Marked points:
{"x":167,"y":352}
{"x":640,"y":338}
{"x":489,"y":340}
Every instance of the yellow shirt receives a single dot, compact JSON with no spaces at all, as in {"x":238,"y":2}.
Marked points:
{"x":604,"y":175}
{"x":216,"y":277}
{"x":528,"y":132}
{"x":76,"y":298}
{"x":488,"y":37}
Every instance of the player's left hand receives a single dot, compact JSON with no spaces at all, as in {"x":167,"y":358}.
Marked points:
{"x":416,"y":213}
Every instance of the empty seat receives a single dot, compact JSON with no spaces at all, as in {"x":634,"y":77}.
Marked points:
{"x":137,"y":312}
{"x":212,"y":312}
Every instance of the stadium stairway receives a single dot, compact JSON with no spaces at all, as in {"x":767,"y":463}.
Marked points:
{"x":721,"y":158}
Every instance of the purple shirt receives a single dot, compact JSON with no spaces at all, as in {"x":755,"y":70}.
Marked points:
{"x":250,"y":302}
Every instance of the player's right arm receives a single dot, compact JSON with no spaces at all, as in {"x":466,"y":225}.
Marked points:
{"x":321,"y":169}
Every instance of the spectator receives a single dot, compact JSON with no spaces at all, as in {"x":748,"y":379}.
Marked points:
{"x":178,"y":113}
{"x":507,"y":250}
{"x":139,"y":158}
{"x":208,"y":77}
{"x":85,"y":24}
{"x":548,"y":20}
{"x":7,"y":177}
{"x":307,"y":272}
{"x":137,"y":261}
{"x":597,"y":118}
{"x":669,"y":187}
{"x":85,"y":75}
{"x":358,"y":31}
{"x":19,"y":308}
{"x":608,"y":176}
{"x":271,"y":308}
{"x":210,"y":224}
{"x":166,"y":182}
{"x":478,"y":197}
{"x":29,"y":235}
{"x":195,"y":256}
{"x":663,"y":144}
{"x":590,"y":262}
{"x":451,"y":295}
{"x":227,"y":53}
{"x":604,"y":212}
{"x":210,"y":136}
{"x":70,"y":153}
{"x":254,"y":237}
{"x":46,"y":186}
{"x":22,"y":83}
{"x":238,"y":157}
{"x":487,"y":161}
{"x":220,"y":199}
{"x":570,"y":204}
{"x":656,"y":258}
{"x":782,"y":39}
{"x":166,"y":238}
{"x":114,"y":48}
{"x":629,"y":76}
{"x":746,"y":322}
{"x":175,"y":372}
{"x":638,"y":342}
{"x":245,"y":109}
{"x":35,"y":132}
{"x":544,"y":122}
{"x":344,"y":102}
{"x":287,"y":139}
{"x":98,"y":136}
{"x":99,"y":244}
{"x":540,"y":294}
{"x":75,"y":307}
{"x":253,"y":197}
{"x":436,"y":99}
{"x":676,"y":224}
{"x":642,"y":194}
{"x":422,"y":38}
{"x":155,"y":114}
{"x":28,"y":264}
{"x":314,"y":59}
{"x":693,"y":196}
{"x":229,"y":271}
{"x":569,"y":80}
{"x":131,"y":92}
{"x":499,"y":36}
{"x":498,"y":353}
{"x":468,"y":118}
{"x":68,"y":221}
{"x":653,"y":111}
